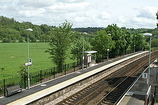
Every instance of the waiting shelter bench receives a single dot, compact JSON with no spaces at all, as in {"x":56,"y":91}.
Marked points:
{"x":13,"y":89}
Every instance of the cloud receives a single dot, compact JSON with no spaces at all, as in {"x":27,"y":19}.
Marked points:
{"x":67,"y":7}
{"x":147,"y":12}
{"x":143,"y":17}
{"x":35,"y":3}
{"x":71,"y":1}
{"x":82,"y":13}
{"x":135,"y":22}
{"x":104,"y":16}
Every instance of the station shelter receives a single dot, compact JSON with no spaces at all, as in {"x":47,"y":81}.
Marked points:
{"x":90,"y":58}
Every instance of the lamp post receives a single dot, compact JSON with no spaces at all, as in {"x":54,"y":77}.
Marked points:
{"x":83,"y":54}
{"x":108,"y":48}
{"x":107,"y":54}
{"x":149,"y":34}
{"x":29,"y":63}
{"x":134,"y":43}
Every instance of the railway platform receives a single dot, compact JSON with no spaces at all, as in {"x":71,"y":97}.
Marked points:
{"x":41,"y":90}
{"x":140,"y":93}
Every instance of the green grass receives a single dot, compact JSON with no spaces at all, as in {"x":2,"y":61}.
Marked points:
{"x":14,"y":55}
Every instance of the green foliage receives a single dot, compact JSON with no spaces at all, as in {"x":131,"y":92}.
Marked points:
{"x":102,"y":42}
{"x":155,"y":32}
{"x":121,"y":37}
{"x":9,"y":35}
{"x":154,"y":43}
{"x":13,"y":31}
{"x":65,"y":43}
{"x":88,"y":29}
{"x":80,"y":41}
{"x":23,"y":74}
{"x":60,"y":42}
{"x":139,"y":42}
{"x":6,"y":21}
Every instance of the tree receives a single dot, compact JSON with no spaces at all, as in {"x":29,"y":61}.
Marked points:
{"x":102,"y":42}
{"x":118,"y":37}
{"x":9,"y":34}
{"x":60,"y":42}
{"x":154,"y":44}
{"x":128,"y":39}
{"x":79,"y":41}
{"x":45,"y":28}
{"x":137,"y":42}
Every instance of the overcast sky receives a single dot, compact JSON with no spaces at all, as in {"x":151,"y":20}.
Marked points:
{"x":83,"y":13}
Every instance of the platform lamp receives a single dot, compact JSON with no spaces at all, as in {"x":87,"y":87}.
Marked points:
{"x":149,"y":34}
{"x":29,"y":61}
{"x":108,"y":48}
{"x":134,"y":46}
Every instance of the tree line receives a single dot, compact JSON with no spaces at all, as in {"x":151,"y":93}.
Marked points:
{"x":68,"y":42}
{"x":65,"y":42}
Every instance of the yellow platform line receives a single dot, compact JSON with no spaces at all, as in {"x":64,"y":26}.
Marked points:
{"x":45,"y":92}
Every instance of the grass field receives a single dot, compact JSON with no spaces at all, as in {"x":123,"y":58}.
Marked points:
{"x":14,"y":55}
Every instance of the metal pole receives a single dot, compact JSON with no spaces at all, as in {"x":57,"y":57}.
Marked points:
{"x":83,"y":54}
{"x":107,"y":54}
{"x":108,"y":48}
{"x":28,"y":61}
{"x":149,"y":59}
{"x":108,"y":51}
{"x":149,"y":34}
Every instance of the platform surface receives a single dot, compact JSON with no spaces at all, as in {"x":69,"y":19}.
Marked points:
{"x":57,"y":83}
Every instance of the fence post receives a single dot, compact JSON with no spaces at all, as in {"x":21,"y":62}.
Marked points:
{"x":65,"y":69}
{"x":74,"y":66}
{"x":45,"y":74}
{"x":51,"y":71}
{"x":54,"y":71}
{"x":24,"y":79}
{"x":41,"y":76}
{"x":4,"y":87}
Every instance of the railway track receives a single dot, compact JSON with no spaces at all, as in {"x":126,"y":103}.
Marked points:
{"x":108,"y":90}
{"x":113,"y":97}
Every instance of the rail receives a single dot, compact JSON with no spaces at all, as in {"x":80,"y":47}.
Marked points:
{"x":127,"y":89}
{"x":80,"y":95}
{"x":124,"y":94}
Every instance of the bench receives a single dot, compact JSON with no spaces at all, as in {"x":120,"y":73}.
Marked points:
{"x":13,"y":90}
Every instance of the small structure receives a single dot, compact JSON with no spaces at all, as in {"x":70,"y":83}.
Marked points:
{"x":90,"y":58}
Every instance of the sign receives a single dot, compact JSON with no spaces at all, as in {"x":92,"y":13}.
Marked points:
{"x":89,"y":59}
{"x":28,"y":63}
{"x":30,"y":60}
{"x":145,"y":75}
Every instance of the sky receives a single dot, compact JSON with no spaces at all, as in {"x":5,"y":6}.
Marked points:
{"x":83,"y":13}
